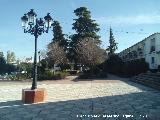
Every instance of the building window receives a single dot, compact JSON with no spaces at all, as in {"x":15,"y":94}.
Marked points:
{"x":152,"y":45}
{"x":140,"y":51}
{"x":152,"y":48}
{"x":152,"y":60}
{"x":135,"y":54}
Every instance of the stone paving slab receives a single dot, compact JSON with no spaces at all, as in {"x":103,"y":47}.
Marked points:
{"x":84,"y":101}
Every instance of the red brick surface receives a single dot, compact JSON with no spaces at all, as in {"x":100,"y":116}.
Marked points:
{"x":34,"y":96}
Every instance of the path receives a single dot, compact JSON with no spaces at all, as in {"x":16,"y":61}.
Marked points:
{"x":82,"y":101}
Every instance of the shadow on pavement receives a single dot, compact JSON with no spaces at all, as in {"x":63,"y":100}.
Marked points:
{"x":110,"y":77}
{"x":142,"y":105}
{"x":115,"y":79}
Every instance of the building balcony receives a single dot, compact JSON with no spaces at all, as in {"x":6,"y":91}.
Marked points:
{"x":152,"y":49}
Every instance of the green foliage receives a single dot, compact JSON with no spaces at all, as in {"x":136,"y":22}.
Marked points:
{"x":10,"y":68}
{"x":64,"y":66}
{"x":18,"y":76}
{"x":95,"y":72}
{"x":84,"y":27}
{"x":1,"y":54}
{"x":159,"y":68}
{"x":113,"y":45}
{"x":73,"y":72}
{"x":6,"y":68}
{"x":2,"y":65}
{"x":115,"y":65}
{"x":27,"y":67}
{"x":61,"y":75}
{"x":49,"y":75}
{"x":11,"y":58}
{"x":137,"y":66}
{"x":57,"y":48}
{"x":58,"y":35}
{"x":93,"y":76}
{"x":42,"y":66}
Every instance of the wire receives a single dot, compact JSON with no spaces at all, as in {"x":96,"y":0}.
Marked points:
{"x":122,"y":31}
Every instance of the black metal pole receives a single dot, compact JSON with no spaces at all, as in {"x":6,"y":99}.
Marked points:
{"x":34,"y":82}
{"x":39,"y":58}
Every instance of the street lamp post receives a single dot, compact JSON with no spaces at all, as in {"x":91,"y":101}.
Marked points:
{"x":35,"y":27}
{"x":39,"y":56}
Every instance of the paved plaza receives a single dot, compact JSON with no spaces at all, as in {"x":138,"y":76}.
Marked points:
{"x":80,"y":100}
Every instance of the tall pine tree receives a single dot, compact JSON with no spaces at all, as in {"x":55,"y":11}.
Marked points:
{"x":112,"y":43}
{"x":85,"y":27}
{"x":58,"y":35}
{"x":57,"y":49}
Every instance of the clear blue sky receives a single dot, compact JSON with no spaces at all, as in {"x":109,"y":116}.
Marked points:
{"x":131,"y":20}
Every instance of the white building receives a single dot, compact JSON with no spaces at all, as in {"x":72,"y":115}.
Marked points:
{"x":26,"y":60}
{"x":148,"y":49}
{"x":29,"y":60}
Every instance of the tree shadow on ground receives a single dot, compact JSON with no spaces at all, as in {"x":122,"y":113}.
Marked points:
{"x":110,"y":77}
{"x":142,"y":105}
{"x":114,"y":79}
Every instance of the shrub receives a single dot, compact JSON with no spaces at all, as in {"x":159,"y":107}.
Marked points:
{"x":115,"y":65}
{"x":136,"y":67}
{"x":96,"y":72}
{"x":153,"y":70}
{"x":61,"y":75}
{"x":73,"y":72}
{"x":27,"y":67}
{"x":84,"y":76}
{"x":18,"y":76}
{"x":102,"y":75}
{"x":159,"y":68}
{"x":49,"y":75}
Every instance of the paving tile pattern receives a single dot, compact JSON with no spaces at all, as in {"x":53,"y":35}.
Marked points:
{"x":84,"y":101}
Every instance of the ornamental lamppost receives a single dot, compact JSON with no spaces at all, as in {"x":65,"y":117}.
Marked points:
{"x":39,"y":56}
{"x":35,"y":27}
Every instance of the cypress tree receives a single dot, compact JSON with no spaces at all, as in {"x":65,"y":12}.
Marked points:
{"x":112,"y":43}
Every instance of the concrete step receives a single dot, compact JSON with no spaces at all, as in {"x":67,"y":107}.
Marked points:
{"x":148,"y":78}
{"x":151,"y":74}
{"x":148,"y":81}
{"x":152,"y":85}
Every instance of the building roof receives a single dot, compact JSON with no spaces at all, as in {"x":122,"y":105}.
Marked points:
{"x":139,"y":42}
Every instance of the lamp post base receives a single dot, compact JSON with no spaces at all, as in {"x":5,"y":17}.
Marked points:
{"x":34,"y":96}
